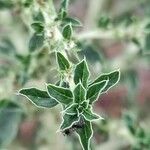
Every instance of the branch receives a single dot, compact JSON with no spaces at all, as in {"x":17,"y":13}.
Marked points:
{"x":115,"y":33}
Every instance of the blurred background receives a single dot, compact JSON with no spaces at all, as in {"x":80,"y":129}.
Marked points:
{"x":115,"y":34}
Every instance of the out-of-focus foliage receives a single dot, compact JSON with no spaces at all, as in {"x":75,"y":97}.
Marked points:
{"x":10,"y":117}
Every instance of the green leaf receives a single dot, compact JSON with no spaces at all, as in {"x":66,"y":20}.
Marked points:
{"x":89,"y":115}
{"x":81,"y":73}
{"x":64,"y":4}
{"x":28,"y":3}
{"x":38,"y":27}
{"x":67,"y":31}
{"x":36,"y":42}
{"x":79,"y":93}
{"x":146,"y":49}
{"x":38,"y":97}
{"x":71,"y":110}
{"x":131,"y":123}
{"x":72,"y":21}
{"x":68,"y":121}
{"x":85,"y":134}
{"x":147,"y":27}
{"x":136,"y":41}
{"x":63,"y":10}
{"x":113,"y":78}
{"x":91,"y":53}
{"x":61,"y":15}
{"x":103,"y":22}
{"x":10,"y":118}
{"x":62,"y":62}
{"x":94,"y":90}
{"x":62,"y":95}
{"x":38,"y":16}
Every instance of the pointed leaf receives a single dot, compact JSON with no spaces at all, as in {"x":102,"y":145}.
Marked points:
{"x":38,"y":16}
{"x":62,"y":95}
{"x":36,"y":42}
{"x":68,"y":121}
{"x":73,"y":21}
{"x":38,"y":27}
{"x":81,"y":73}
{"x":113,"y":78}
{"x":62,"y":62}
{"x":61,"y":15}
{"x":94,"y":90}
{"x":67,"y":31}
{"x":85,"y":134}
{"x":63,"y":10}
{"x":79,"y":93}
{"x":64,"y":4}
{"x":89,"y":115}
{"x":38,"y":97}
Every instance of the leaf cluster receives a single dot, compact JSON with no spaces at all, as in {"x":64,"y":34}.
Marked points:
{"x":76,"y":98}
{"x":74,"y":91}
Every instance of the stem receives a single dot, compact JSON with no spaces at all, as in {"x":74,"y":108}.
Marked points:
{"x":52,"y":28}
{"x":49,"y":12}
{"x":94,"y":8}
{"x":119,"y":32}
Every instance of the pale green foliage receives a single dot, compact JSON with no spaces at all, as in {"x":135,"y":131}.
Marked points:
{"x":10,"y":123}
{"x":78,"y":95}
{"x":79,"y":101}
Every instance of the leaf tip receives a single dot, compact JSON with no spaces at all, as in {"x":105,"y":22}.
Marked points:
{"x":118,"y":74}
{"x":46,"y":84}
{"x":20,"y":92}
{"x":17,"y":93}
